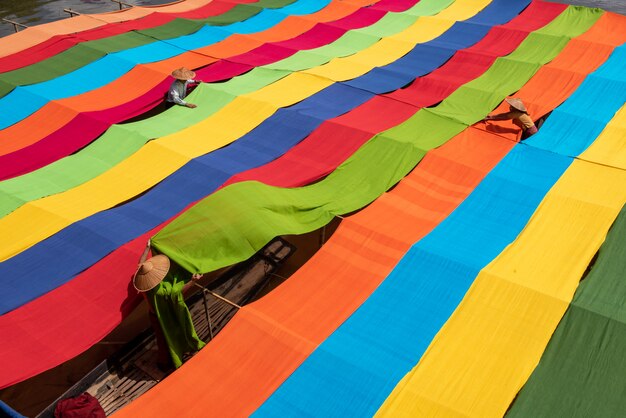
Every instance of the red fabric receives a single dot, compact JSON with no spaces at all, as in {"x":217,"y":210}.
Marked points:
{"x":82,"y":406}
{"x":47,"y":322}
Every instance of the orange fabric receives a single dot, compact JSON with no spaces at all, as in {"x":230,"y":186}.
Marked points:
{"x":563,"y":75}
{"x":233,"y":45}
{"x":136,"y":82}
{"x":33,"y":35}
{"x":144,"y":77}
{"x":268,"y":339}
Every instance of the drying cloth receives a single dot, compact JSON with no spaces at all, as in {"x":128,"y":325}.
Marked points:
{"x":85,"y":126}
{"x":519,"y":298}
{"x":25,"y":100}
{"x":284,"y":315}
{"x":286,"y":39}
{"x":202,"y":244}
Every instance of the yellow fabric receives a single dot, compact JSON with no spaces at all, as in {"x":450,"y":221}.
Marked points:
{"x":40,"y":219}
{"x":489,"y":347}
{"x":612,"y":151}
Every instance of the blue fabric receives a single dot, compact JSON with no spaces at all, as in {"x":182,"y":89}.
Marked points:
{"x":357,"y":367}
{"x":77,"y":247}
{"x":8,"y":412}
{"x":23,"y":101}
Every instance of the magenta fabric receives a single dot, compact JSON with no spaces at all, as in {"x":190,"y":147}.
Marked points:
{"x":393,"y":5}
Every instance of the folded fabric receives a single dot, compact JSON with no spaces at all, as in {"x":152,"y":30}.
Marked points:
{"x":81,"y":406}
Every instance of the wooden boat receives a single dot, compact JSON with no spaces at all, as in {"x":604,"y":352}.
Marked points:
{"x":132,"y":371}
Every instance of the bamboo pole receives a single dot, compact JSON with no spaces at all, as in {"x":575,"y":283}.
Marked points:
{"x":122,"y":4}
{"x":71,"y":12}
{"x":15,"y":24}
{"x":215,"y":295}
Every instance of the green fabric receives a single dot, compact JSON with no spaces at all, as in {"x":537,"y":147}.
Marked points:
{"x":120,"y":141}
{"x":235,"y":222}
{"x":583,"y":370}
{"x":85,"y":52}
{"x":169,"y":306}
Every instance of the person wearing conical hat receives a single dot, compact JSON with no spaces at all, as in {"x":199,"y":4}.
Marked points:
{"x":519,"y":114}
{"x":163,"y":284}
{"x":178,"y":90}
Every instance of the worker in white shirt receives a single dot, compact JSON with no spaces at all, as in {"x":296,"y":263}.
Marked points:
{"x":178,"y":90}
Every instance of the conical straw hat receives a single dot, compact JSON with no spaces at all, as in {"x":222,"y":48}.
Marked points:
{"x":183,"y":74}
{"x":517,"y":104}
{"x":151,"y":273}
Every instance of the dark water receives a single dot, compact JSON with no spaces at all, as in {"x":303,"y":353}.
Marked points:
{"x":36,"y":12}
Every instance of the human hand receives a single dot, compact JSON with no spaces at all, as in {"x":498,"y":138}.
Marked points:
{"x":196,"y":276}
{"x":191,"y":105}
{"x":144,"y":256}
